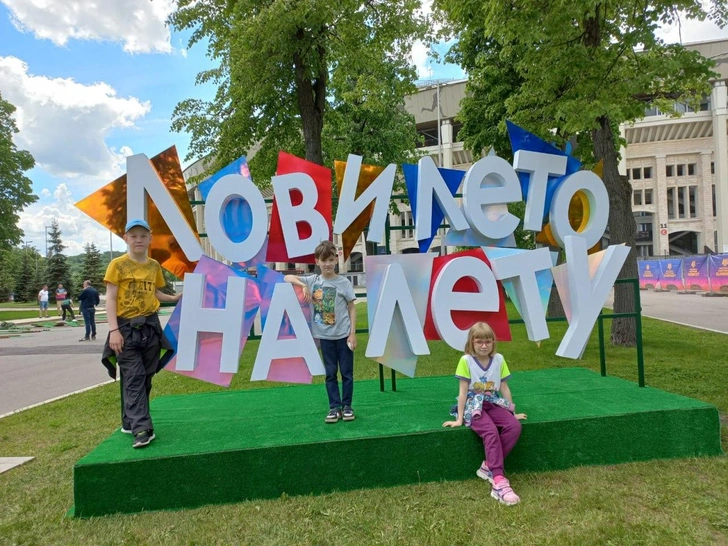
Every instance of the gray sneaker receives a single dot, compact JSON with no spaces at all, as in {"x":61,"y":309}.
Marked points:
{"x":333,"y":416}
{"x":348,"y":414}
{"x":143,"y":438}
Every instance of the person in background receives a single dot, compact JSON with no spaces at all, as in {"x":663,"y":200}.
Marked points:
{"x":43,"y":302}
{"x":88,"y":299}
{"x":67,"y":307}
{"x":61,"y":295}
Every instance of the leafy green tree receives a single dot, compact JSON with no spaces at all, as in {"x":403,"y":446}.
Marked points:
{"x":315,"y":78}
{"x":92,"y":268}
{"x":58,"y":270}
{"x":9,"y":263}
{"x":16,"y":189}
{"x":573,"y":69}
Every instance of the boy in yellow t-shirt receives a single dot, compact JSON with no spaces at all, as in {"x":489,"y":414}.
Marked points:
{"x":136,"y":341}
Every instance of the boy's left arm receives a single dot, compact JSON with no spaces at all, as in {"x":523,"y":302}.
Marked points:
{"x":167,"y":298}
{"x":352,"y":320}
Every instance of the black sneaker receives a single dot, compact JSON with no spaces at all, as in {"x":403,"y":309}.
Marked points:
{"x":143,"y":438}
{"x":348,"y":414}
{"x":333,"y":416}
{"x":93,"y":337}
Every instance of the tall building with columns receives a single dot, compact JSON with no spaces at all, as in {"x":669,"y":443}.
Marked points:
{"x":678,"y":169}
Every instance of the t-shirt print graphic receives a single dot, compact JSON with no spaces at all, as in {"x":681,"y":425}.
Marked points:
{"x":324,"y":298}
{"x":137,"y":291}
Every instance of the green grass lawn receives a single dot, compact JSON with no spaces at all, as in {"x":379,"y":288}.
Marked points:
{"x":15,"y":314}
{"x":662,"y":502}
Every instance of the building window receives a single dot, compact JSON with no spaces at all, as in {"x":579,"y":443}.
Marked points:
{"x":644,"y":250}
{"x":637,"y":197}
{"x":712,"y":167}
{"x":647,"y":172}
{"x":682,"y":198}
{"x":671,"y":202}
{"x":669,"y":170}
{"x":681,"y":170}
{"x":693,"y":194}
{"x":648,"y":197}
{"x":636,"y":174}
{"x":691,"y":169}
{"x":714,"y":214}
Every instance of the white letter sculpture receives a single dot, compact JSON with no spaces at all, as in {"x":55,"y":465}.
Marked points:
{"x":195,"y":318}
{"x":285,"y":302}
{"x":586,"y":294}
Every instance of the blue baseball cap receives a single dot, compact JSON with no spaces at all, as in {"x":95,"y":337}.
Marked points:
{"x":137,"y":222}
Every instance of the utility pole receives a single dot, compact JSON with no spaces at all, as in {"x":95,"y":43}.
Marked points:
{"x":46,"y":239}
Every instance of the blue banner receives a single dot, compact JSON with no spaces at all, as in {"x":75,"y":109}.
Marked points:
{"x":695,"y":273}
{"x":718,"y":273}
{"x":671,"y":274}
{"x":649,"y":272}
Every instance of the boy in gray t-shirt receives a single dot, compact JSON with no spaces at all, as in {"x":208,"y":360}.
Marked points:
{"x":334,"y":325}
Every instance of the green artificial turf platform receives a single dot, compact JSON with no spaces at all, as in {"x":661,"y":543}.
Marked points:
{"x":237,"y":445}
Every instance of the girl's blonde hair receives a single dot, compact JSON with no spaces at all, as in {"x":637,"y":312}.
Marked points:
{"x":480,"y":330}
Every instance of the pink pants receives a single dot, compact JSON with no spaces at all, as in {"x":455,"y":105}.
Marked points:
{"x":500,"y":431}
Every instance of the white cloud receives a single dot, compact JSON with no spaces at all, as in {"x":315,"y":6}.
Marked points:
{"x":77,"y":229}
{"x":138,"y":24}
{"x":692,"y":31}
{"x":64,"y":123}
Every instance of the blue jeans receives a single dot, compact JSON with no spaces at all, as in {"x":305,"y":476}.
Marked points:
{"x":89,"y":320}
{"x":338,"y":357}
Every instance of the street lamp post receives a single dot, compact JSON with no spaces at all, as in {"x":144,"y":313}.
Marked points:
{"x":26,"y":244}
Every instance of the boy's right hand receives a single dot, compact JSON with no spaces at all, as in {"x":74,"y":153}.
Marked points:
{"x":116,"y":341}
{"x":306,"y":291}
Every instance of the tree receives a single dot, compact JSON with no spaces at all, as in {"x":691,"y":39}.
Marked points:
{"x":58,"y":270}
{"x":25,"y":287}
{"x":16,"y":189}
{"x":573,"y":69}
{"x":312,"y":77}
{"x":9,"y":263}
{"x":92,"y":268}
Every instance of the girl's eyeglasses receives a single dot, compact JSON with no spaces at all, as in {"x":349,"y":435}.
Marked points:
{"x":482,"y":341}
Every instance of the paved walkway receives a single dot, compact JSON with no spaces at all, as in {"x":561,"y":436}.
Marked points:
{"x":704,"y":312}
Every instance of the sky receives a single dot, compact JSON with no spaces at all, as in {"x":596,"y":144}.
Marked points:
{"x":94,"y":81}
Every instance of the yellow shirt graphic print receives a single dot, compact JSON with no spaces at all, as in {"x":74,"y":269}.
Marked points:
{"x":137,"y":282}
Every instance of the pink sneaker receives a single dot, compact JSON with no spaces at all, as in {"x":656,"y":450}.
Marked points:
{"x":484,"y":473}
{"x":503,"y":493}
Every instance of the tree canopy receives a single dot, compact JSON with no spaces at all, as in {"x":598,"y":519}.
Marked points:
{"x":316,"y":78}
{"x":16,"y":189}
{"x":576,"y":70}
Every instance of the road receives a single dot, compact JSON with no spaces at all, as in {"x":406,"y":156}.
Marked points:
{"x":707,"y":313}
